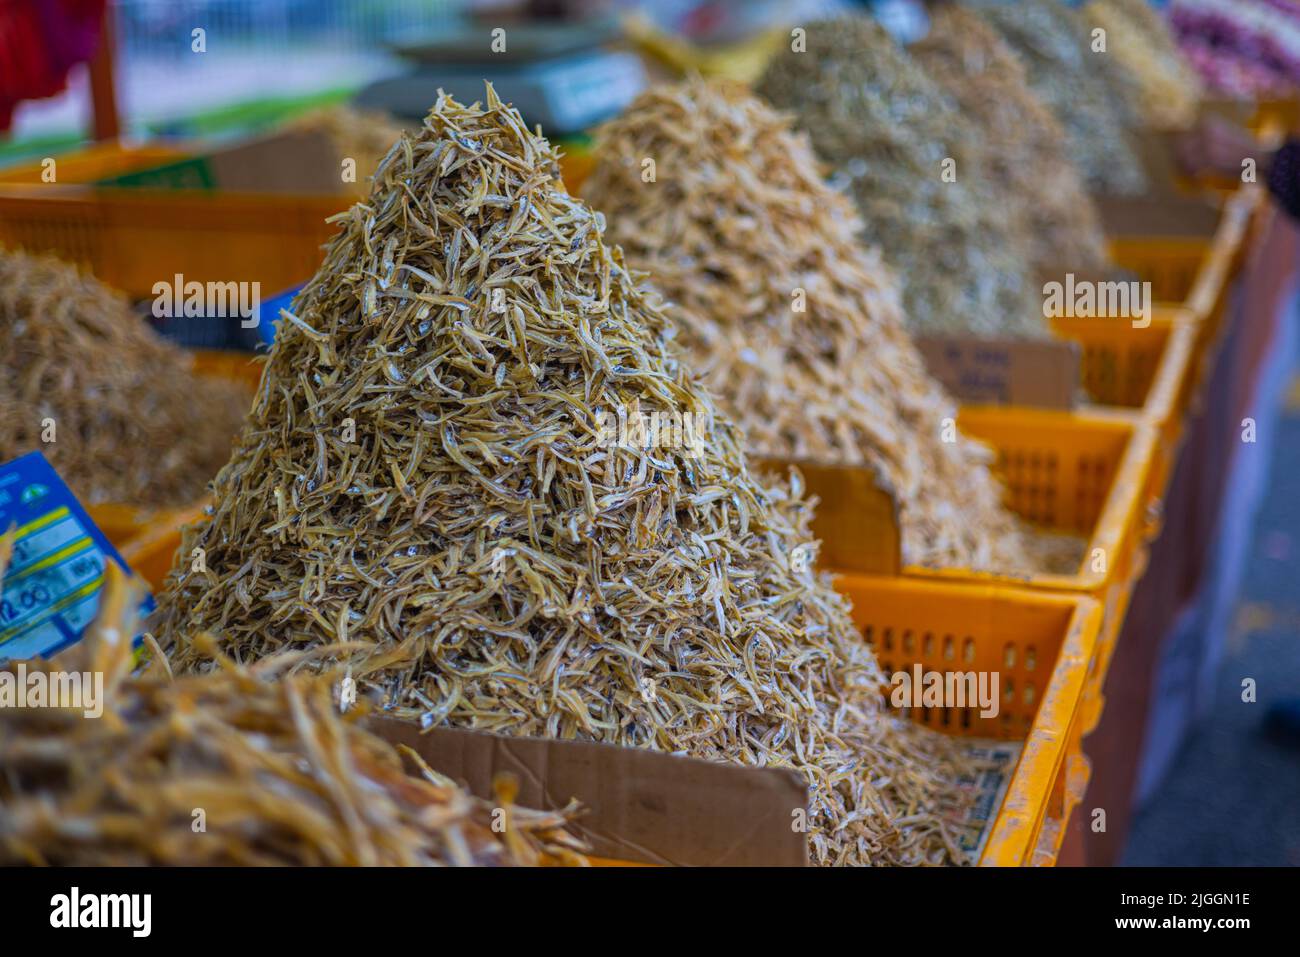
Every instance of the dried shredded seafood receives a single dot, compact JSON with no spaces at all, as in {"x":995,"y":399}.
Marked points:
{"x":1168,"y":89}
{"x":362,"y":135}
{"x":1091,"y":94}
{"x":259,"y":757}
{"x":738,"y":226}
{"x":131,"y":423}
{"x":887,"y":130}
{"x":1023,"y":149}
{"x":424,"y":471}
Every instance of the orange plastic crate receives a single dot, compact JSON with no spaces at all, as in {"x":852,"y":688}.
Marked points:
{"x":1194,"y":272}
{"x":1281,"y":114}
{"x":1150,"y":371}
{"x":1086,"y":472}
{"x":92,"y":163}
{"x":1209,"y":297}
{"x":132,"y":239}
{"x":1041,"y":644}
{"x":1171,"y":264}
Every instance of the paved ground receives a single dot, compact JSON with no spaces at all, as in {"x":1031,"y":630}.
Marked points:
{"x":1232,"y":796}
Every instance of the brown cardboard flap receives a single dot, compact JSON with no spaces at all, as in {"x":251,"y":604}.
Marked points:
{"x":1155,"y":151}
{"x":1240,"y":112}
{"x":1172,"y":216}
{"x":644,"y":806}
{"x":295,"y":161}
{"x":1002,"y":371}
{"x":856,"y":519}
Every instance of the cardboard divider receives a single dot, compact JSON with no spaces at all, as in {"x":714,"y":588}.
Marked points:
{"x":287,"y":162}
{"x":642,"y":806}
{"x":1003,"y":370}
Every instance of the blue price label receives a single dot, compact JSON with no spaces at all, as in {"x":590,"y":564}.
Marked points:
{"x":50,"y":592}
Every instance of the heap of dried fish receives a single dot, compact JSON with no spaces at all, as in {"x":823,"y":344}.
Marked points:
{"x":361,"y":135}
{"x":789,"y":320}
{"x":116,"y":409}
{"x":890,"y":133}
{"x":1022,"y":147}
{"x":1085,"y":90}
{"x":432,"y":468}
{"x":1168,"y":89}
{"x":244,"y":766}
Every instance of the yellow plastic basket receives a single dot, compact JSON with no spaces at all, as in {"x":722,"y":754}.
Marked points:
{"x":1041,"y":645}
{"x":1150,"y":371}
{"x":1087,"y":472}
{"x":92,"y":163}
{"x":133,"y":238}
{"x":1210,"y":294}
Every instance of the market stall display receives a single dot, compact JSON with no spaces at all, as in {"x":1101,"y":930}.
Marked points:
{"x":115,"y":408}
{"x":793,"y":324}
{"x":902,"y":148}
{"x":1085,"y":91}
{"x":243,"y":766}
{"x":1023,"y":148}
{"x":434,"y":469}
{"x":807,"y":465}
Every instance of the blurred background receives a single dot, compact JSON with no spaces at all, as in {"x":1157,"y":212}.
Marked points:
{"x":182,"y":90}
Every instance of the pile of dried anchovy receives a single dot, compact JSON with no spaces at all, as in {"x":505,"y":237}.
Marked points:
{"x":263,"y":755}
{"x":130,"y":422}
{"x":1022,"y":147}
{"x":430,"y":469}
{"x":1168,"y":88}
{"x":1090,"y":93}
{"x":740,"y":231}
{"x":887,"y":130}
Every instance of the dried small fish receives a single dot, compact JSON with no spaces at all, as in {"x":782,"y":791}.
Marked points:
{"x":1088,"y":92}
{"x":1022,"y":147}
{"x":737,"y":226}
{"x":1168,"y":88}
{"x":887,"y":131}
{"x":508,"y":569}
{"x":130,"y":423}
{"x":278,"y":774}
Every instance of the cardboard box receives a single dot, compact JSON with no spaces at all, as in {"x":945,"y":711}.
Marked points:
{"x":1005,"y":371}
{"x":292,"y":162}
{"x":641,"y":806}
